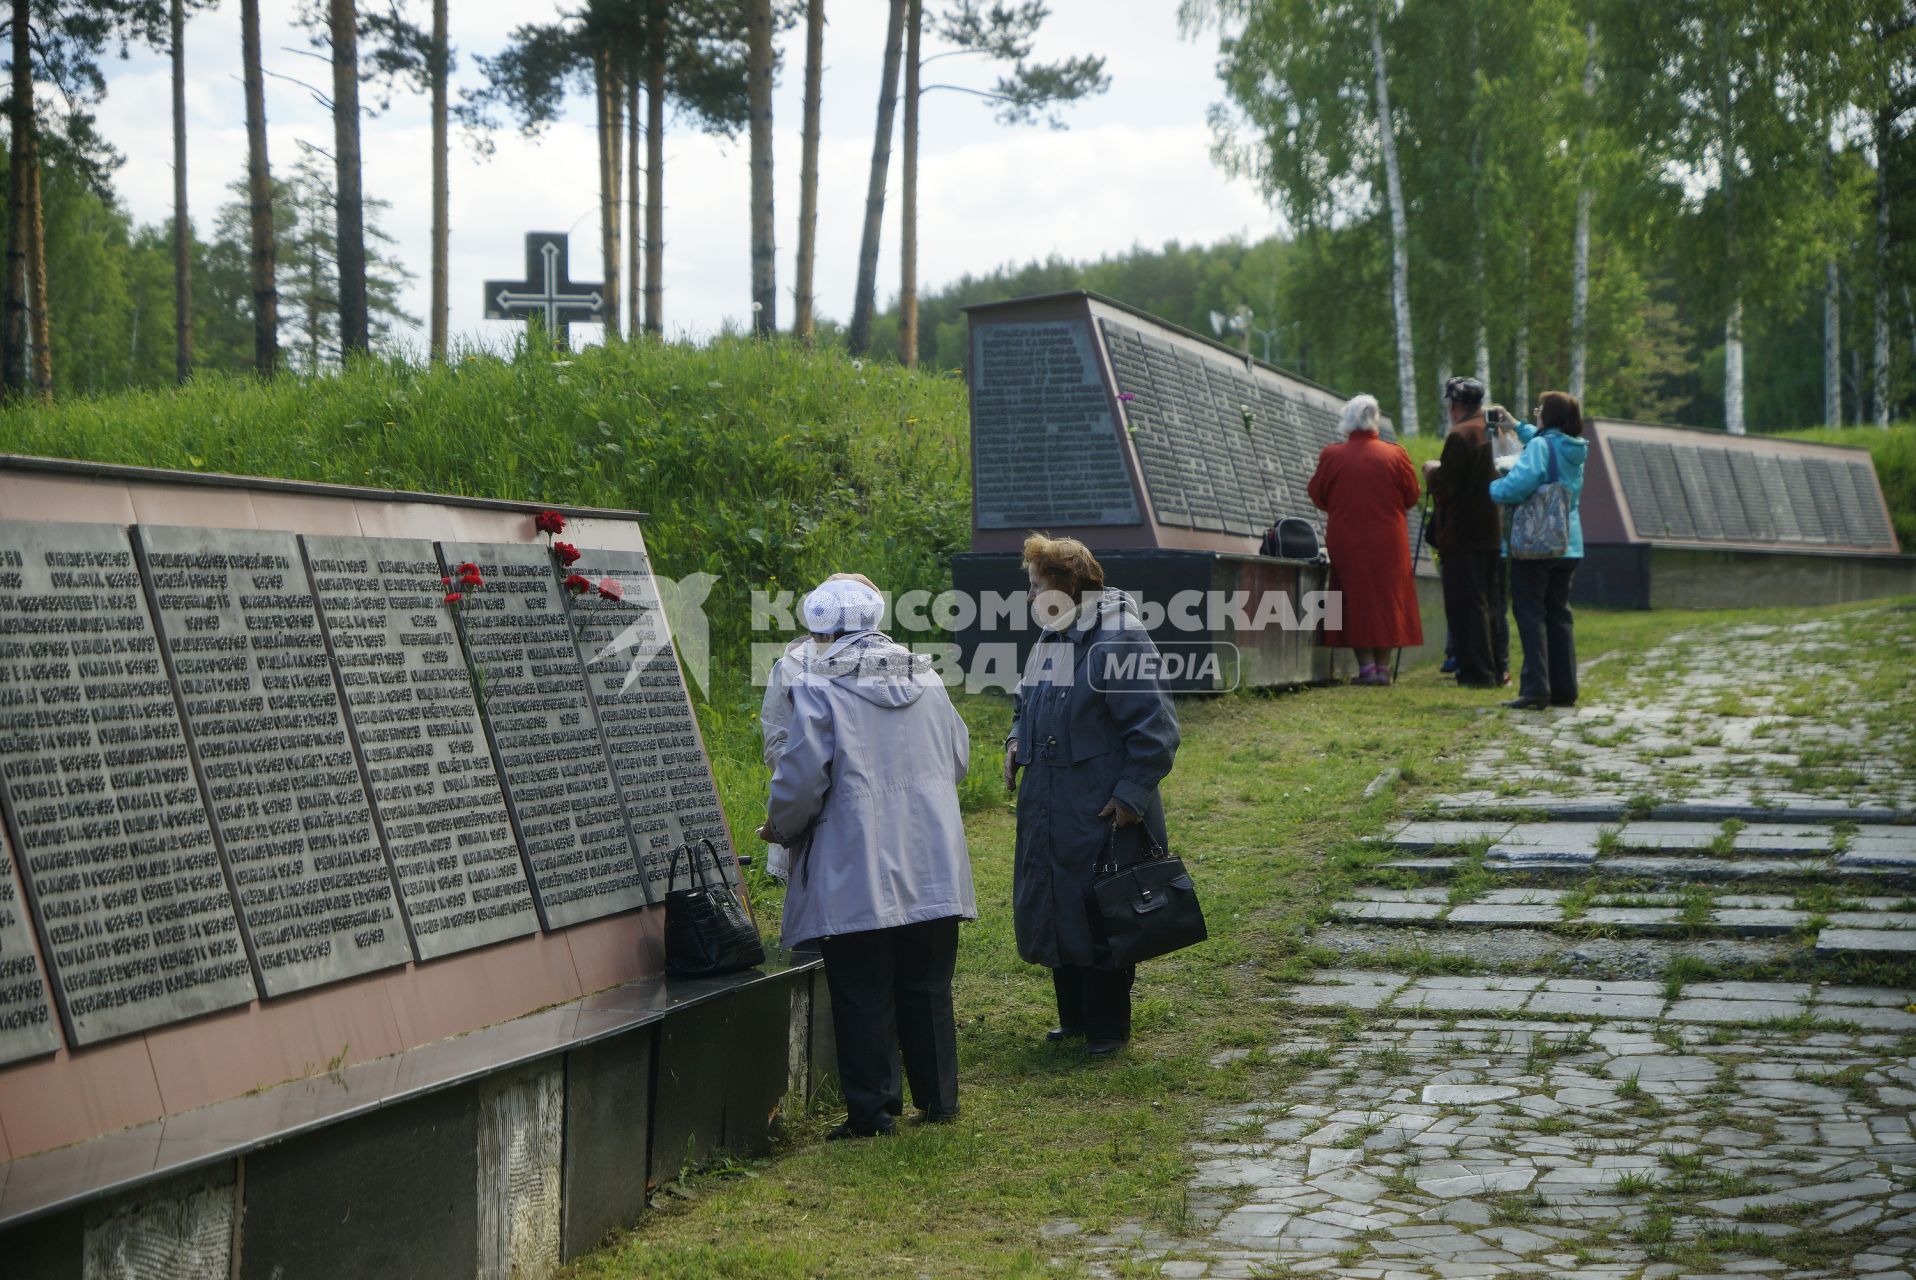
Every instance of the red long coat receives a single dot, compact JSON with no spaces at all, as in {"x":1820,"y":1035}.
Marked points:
{"x":1365,"y":486}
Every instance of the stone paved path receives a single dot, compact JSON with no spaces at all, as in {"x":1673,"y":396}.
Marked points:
{"x":1683,"y":1040}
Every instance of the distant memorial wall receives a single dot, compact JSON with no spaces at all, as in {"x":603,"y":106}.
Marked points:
{"x":264,"y":786}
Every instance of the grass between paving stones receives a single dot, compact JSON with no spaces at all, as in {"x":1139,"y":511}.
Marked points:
{"x":1266,"y":806}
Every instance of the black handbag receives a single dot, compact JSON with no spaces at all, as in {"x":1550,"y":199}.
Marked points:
{"x":1292,"y":538}
{"x":707,"y":930}
{"x":1146,"y":909}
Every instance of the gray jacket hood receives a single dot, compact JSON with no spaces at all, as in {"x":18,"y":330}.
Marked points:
{"x":875,"y":667}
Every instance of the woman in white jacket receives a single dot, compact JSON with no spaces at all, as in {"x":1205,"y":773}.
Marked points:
{"x":864,"y":795}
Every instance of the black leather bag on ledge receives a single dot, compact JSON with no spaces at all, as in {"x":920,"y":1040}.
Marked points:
{"x":1146,"y":909}
{"x":707,"y":929}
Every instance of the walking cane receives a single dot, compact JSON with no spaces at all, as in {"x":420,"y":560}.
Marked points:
{"x":1423,"y":522}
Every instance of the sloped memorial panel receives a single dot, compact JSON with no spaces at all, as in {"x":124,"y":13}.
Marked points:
{"x":658,"y":758}
{"x":26,"y":1007}
{"x":110,"y":830}
{"x":545,"y":735}
{"x":1045,"y":446}
{"x":268,"y":732}
{"x":410,"y":704}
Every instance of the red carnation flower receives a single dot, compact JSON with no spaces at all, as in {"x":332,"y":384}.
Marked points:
{"x":611,"y":589}
{"x":549,"y":522}
{"x":472,"y":580}
{"x":446,"y":579}
{"x":578,"y":584}
{"x":454,"y":597}
{"x":468,"y":567}
{"x":567,"y":553}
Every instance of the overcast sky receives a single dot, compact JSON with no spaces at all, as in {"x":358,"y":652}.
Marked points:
{"x":1133,"y":168}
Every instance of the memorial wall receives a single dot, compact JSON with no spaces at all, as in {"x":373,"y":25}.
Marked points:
{"x":246,"y":767}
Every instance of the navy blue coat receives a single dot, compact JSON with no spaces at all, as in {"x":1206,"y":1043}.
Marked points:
{"x":1081,"y":746}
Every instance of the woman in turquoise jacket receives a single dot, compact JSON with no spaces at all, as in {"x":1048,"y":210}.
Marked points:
{"x":1540,"y":589}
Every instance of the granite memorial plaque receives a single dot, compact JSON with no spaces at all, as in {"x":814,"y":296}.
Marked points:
{"x":1045,"y":447}
{"x":1222,"y":449}
{"x":1776,"y":497}
{"x":263,"y":715}
{"x":135,"y":914}
{"x":1748,"y":476}
{"x":1697,"y":495}
{"x":645,"y":714}
{"x":26,"y":1010}
{"x":545,"y":734}
{"x":410,"y":706}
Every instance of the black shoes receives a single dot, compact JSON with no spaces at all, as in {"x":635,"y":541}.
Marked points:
{"x":935,"y":1117}
{"x":1102,"y":1048}
{"x":845,"y":1130}
{"x":1058,"y":1035}
{"x":1526,"y":704}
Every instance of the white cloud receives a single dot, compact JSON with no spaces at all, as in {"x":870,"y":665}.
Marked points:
{"x":1134,"y":168}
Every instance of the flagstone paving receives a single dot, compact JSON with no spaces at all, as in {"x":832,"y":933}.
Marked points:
{"x":1661,"y":1062}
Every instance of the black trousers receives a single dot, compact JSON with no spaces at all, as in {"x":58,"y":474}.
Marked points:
{"x":1094,"y":1001}
{"x":891,"y":990}
{"x":1540,"y":594}
{"x":1500,"y":617}
{"x":1470,"y":581}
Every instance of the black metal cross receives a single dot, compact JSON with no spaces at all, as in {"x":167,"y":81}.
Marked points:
{"x":546,"y":292}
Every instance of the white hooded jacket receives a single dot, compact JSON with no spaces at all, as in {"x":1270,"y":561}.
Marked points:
{"x":865,"y":793}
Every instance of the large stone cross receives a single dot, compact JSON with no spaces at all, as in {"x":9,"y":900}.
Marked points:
{"x":546,"y":291}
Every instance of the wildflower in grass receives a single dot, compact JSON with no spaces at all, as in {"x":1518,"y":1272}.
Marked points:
{"x":549,"y":522}
{"x":567,"y":553}
{"x":578,"y":584}
{"x":611,"y":589}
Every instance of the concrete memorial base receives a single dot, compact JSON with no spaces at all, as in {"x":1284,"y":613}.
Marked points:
{"x":1642,"y":576}
{"x":501,"y":1153}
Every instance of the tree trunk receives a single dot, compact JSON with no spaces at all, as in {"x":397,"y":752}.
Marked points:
{"x":1733,"y":370}
{"x":611,"y":121}
{"x":259,"y":199}
{"x":758,"y":85}
{"x":1580,"y":252}
{"x":1520,"y":356}
{"x":1832,"y":345}
{"x":859,"y":339}
{"x":804,"y":325}
{"x":1879,"y":390}
{"x":908,"y":213}
{"x":354,"y":334}
{"x":655,"y":169}
{"x":1480,"y":302}
{"x":13,"y":340}
{"x":1399,"y":240}
{"x":441,"y":186}
{"x":182,"y":229}
{"x":633,"y":144}
{"x":37,"y":276}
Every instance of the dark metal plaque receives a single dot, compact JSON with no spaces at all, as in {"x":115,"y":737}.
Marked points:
{"x":1829,"y":506}
{"x":1809,"y":517}
{"x":1633,"y":475}
{"x":1868,"y":521}
{"x":1221,"y":449}
{"x":1721,"y":482}
{"x":1045,"y":446}
{"x":26,"y":1010}
{"x":135,"y":915}
{"x":410,"y":703}
{"x":657,"y":756}
{"x":263,"y":715}
{"x":1660,"y":462}
{"x":1776,"y":492}
{"x":1751,"y":496}
{"x":545,"y":735}
{"x":1696,"y":493}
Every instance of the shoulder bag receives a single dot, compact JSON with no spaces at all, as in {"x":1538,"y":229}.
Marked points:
{"x":707,"y":930}
{"x":1540,"y":526}
{"x":1292,"y":538}
{"x":1146,"y":909}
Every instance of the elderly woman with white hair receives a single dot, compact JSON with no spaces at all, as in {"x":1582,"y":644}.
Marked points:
{"x":1364,"y":486}
{"x":864,"y":796}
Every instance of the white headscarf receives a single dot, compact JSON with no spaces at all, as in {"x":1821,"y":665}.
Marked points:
{"x":842,"y":605}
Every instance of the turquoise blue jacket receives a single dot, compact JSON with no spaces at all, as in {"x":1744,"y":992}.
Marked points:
{"x":1533,"y":468}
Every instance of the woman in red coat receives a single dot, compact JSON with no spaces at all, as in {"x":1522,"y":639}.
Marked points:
{"x":1365,"y":485}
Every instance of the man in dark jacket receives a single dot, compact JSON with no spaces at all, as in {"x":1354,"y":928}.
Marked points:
{"x":1467,"y":532}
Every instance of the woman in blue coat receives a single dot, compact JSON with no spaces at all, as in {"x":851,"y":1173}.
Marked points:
{"x":1094,"y":732}
{"x":1540,"y":589}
